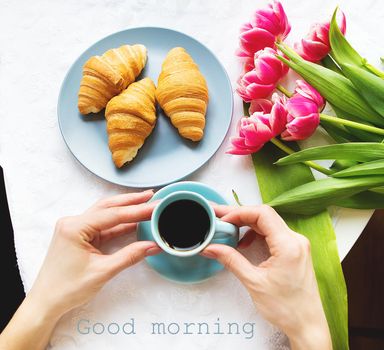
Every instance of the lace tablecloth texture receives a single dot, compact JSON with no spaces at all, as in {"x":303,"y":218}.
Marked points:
{"x":39,"y":41}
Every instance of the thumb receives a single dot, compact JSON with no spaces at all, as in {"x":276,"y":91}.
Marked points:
{"x":131,"y":255}
{"x":232,"y":260}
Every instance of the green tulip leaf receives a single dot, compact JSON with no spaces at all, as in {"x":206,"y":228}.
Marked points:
{"x":369,"y":168}
{"x":329,"y":63}
{"x":342,"y":51}
{"x":315,"y":196}
{"x":358,"y":151}
{"x":363,"y":200}
{"x":369,"y":85}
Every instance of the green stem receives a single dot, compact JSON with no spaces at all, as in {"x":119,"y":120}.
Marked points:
{"x":289,"y":150}
{"x":355,"y":125}
{"x":281,"y":46}
{"x":282,"y":146}
{"x":284,"y":90}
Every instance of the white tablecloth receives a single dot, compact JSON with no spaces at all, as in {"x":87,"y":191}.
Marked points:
{"x":39,"y":40}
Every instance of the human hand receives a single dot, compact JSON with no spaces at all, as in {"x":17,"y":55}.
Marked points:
{"x":74,"y":269}
{"x":283,"y":287}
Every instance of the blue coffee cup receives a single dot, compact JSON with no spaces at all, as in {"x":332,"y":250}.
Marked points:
{"x":218,"y":229}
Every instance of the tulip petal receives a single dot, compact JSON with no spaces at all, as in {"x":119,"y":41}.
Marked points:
{"x":256,"y":39}
{"x":315,"y":49}
{"x":285,"y":27}
{"x":245,"y":27}
{"x":299,"y":106}
{"x":303,"y":127}
{"x":309,"y":92}
{"x":249,"y":65}
{"x":241,"y":53}
{"x":343,"y":23}
{"x":240,"y":152}
{"x":286,"y":136}
{"x":278,"y":118}
{"x":266,"y":73}
{"x":268,"y":68}
{"x":310,"y":50}
{"x":254,"y":91}
{"x":263,"y":18}
{"x":254,"y":137}
{"x":238,"y":142}
{"x":260,"y":105}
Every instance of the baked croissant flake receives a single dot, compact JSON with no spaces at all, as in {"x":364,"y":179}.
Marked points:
{"x":131,"y":117}
{"x":182,"y":93}
{"x":106,"y":76}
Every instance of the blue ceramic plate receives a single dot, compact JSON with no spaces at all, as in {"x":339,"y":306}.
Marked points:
{"x":186,"y":269}
{"x":165,"y":156}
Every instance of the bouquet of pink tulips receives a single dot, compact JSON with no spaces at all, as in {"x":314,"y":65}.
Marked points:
{"x":332,"y":72}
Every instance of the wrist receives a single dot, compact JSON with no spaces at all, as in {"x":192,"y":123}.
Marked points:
{"x":311,"y":337}
{"x":310,"y":329}
{"x":311,"y":341}
{"x":41,"y":309}
{"x":31,"y":326}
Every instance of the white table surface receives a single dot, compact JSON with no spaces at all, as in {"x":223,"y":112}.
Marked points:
{"x":39,"y":40}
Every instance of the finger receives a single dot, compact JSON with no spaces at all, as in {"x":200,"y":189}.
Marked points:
{"x":130,"y":255}
{"x":124,"y":199}
{"x":107,"y":218}
{"x":247,"y":239}
{"x":231,"y":259}
{"x":263,"y":219}
{"x":117,"y":231}
{"x":221,"y":210}
{"x":266,"y":222}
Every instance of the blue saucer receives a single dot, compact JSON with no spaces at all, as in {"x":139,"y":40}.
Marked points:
{"x":192,"y":269}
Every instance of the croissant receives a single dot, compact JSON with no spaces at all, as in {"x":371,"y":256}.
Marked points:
{"x":107,"y":75}
{"x":183,"y":94}
{"x":131,"y":117}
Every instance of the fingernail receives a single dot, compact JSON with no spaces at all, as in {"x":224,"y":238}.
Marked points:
{"x":152,"y":251}
{"x":149,"y":191}
{"x":208,"y":254}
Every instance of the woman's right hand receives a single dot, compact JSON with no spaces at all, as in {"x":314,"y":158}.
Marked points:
{"x":283,"y":287}
{"x":75,"y":269}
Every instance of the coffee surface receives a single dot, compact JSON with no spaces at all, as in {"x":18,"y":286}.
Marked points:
{"x":184,"y":224}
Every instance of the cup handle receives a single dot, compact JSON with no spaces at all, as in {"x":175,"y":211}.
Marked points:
{"x":225,"y":229}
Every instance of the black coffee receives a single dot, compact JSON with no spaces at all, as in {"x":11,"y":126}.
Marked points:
{"x":184,"y":224}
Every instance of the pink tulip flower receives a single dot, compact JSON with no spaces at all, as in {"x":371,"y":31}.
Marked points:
{"x":269,"y":66}
{"x":262,"y":80}
{"x":266,"y":26}
{"x":259,"y":128}
{"x":316,"y":45}
{"x":309,"y":92}
{"x":303,"y":112}
{"x":251,"y":87}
